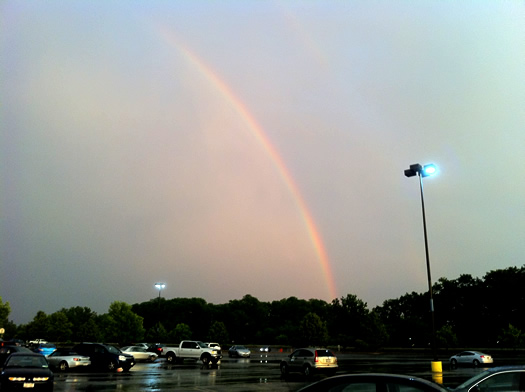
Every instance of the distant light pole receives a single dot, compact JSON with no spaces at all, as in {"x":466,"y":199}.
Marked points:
{"x":160,"y":287}
{"x":421,"y":172}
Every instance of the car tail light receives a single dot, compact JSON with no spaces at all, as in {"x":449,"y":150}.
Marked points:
{"x":77,"y":359}
{"x":316,"y":357}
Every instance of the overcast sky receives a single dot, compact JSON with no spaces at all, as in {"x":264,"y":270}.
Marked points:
{"x":256,"y":147}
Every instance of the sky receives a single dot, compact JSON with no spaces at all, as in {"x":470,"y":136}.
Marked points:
{"x":227,"y":148}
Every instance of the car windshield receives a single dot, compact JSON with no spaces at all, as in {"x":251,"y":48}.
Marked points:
{"x":474,"y":380}
{"x":324,"y":353}
{"x":202,"y":345}
{"x":113,"y":350}
{"x":26,"y":362}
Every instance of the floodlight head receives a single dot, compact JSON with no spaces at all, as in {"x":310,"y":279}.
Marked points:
{"x":413,"y":170}
{"x":160,"y":286}
{"x":429,"y":170}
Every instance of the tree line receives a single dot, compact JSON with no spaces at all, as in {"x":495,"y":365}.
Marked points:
{"x":469,"y":312}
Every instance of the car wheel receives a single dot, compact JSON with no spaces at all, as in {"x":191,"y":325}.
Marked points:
{"x":475,"y":362}
{"x":111,"y":366}
{"x":170,"y":357}
{"x":307,"y":371}
{"x":453,"y":362}
{"x":284,"y":369}
{"x":205,"y":360}
{"x":63,"y":366}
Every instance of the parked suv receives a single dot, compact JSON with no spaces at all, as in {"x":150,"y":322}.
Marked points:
{"x":309,"y":361}
{"x":104,"y":356}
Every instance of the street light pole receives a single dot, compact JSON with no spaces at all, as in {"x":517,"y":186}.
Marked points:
{"x":424,"y":171}
{"x":159,"y":287}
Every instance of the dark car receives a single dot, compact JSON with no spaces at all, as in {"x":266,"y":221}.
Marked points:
{"x":374,"y":382}
{"x":8,"y":350}
{"x":502,"y":378}
{"x":26,"y":370}
{"x":105,"y":356}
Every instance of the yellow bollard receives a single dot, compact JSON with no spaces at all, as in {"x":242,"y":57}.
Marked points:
{"x":436,"y":367}
{"x":437,"y":377}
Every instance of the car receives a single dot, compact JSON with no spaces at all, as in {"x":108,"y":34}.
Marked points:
{"x":37,"y":341}
{"x":65,"y":358}
{"x":214,"y":345}
{"x":44,"y":348}
{"x":26,"y":370}
{"x":12,"y":342}
{"x":309,"y":361}
{"x":502,"y":378}
{"x":239,"y":351}
{"x":470,"y":358}
{"x":8,"y":350}
{"x":105,"y":356}
{"x":265,"y":349}
{"x":157,"y":348}
{"x":372,"y":382}
{"x":140,"y":353}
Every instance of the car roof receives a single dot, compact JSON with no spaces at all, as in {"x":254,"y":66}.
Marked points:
{"x":375,"y":376}
{"x":26,"y":354}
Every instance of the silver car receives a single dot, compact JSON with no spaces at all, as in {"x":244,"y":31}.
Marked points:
{"x":239,"y":351}
{"x":140,"y":353}
{"x":63,"y":359}
{"x":474,"y":358}
{"x":308,"y":361}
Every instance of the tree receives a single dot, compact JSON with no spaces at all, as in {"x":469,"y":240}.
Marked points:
{"x":313,"y":330}
{"x":122,"y":325}
{"x":5,"y":310}
{"x":60,"y":329}
{"x":218,"y":332}
{"x":85,"y":326}
{"x":38,"y":328}
{"x":180,"y":332}
{"x":512,"y":337}
{"x":446,"y":337}
{"x":348,"y":316}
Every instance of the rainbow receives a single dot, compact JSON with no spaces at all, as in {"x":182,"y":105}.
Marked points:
{"x":263,"y":139}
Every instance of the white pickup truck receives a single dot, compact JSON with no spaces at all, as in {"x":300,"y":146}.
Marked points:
{"x":192,"y":349}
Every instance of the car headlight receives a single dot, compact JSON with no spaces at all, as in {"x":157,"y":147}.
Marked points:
{"x":214,"y":352}
{"x":40,"y":378}
{"x":17,"y":378}
{"x":122,"y":358}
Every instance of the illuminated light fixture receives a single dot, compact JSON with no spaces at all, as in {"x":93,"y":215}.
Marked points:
{"x":421,"y":172}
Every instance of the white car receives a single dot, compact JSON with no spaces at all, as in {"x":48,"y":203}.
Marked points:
{"x":139,"y":353}
{"x":216,"y":346}
{"x":63,"y":359}
{"x":470,"y":358}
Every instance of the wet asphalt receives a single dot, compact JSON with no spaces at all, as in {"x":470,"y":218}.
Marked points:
{"x":259,"y":373}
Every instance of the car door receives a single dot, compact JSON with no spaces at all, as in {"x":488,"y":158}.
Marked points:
{"x":466,"y":357}
{"x":296,"y":360}
{"x":190,"y":349}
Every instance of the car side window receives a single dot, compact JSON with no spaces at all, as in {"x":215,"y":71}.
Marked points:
{"x":355,"y":387}
{"x":508,"y":382}
{"x":395,"y":387}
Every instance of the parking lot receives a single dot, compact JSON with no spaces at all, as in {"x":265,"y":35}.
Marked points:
{"x":258,"y":373}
